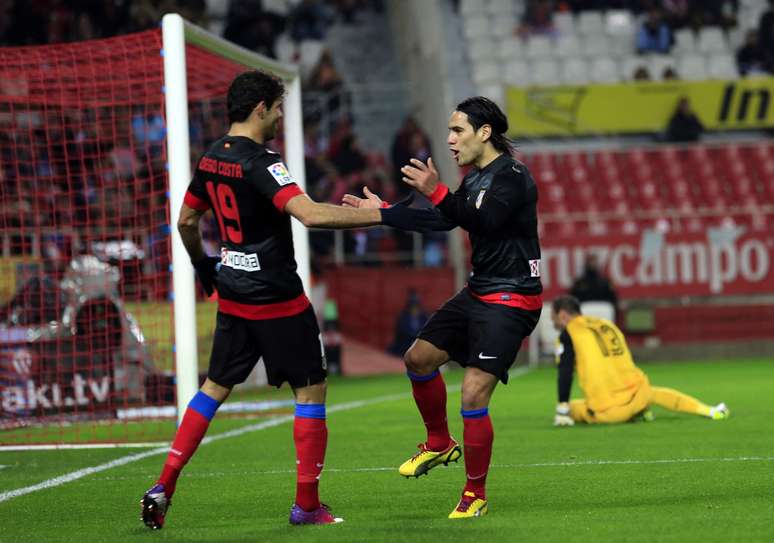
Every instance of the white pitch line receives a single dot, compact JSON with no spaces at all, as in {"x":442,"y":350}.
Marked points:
{"x":79,"y":474}
{"x":78,"y":446}
{"x":495,"y":466}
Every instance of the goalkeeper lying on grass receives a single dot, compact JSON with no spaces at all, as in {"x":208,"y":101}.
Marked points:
{"x":614,"y":389}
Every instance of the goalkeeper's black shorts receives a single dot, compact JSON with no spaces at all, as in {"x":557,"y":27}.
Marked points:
{"x":480,"y":334}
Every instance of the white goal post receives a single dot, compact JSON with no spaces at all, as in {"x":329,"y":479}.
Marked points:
{"x":176,"y":33}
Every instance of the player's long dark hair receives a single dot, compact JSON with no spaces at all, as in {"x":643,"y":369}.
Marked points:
{"x":480,"y":111}
{"x":248,"y":90}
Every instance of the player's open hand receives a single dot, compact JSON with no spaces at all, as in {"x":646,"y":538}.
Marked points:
{"x":421,"y":176}
{"x":371,"y":200}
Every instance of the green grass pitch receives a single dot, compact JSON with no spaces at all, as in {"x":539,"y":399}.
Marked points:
{"x":678,"y":479}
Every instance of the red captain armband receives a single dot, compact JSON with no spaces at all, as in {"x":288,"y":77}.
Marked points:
{"x":439,"y":194}
{"x":194,"y":202}
{"x":284,"y":195}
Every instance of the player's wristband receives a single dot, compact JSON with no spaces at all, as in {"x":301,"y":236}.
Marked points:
{"x":439,"y":194}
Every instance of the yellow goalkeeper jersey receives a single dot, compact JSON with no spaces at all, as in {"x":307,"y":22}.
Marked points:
{"x":606,"y":372}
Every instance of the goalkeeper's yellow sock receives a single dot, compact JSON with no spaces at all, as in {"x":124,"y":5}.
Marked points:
{"x":674,"y":400}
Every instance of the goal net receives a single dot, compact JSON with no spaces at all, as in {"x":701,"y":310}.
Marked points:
{"x":102,"y":339}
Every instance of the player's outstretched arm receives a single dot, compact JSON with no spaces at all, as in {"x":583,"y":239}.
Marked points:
{"x":400,"y":215}
{"x":317,"y":215}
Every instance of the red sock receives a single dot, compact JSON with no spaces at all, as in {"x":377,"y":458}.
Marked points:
{"x":430,"y":396}
{"x":478,"y":437}
{"x":311,"y":438}
{"x":190,"y":433}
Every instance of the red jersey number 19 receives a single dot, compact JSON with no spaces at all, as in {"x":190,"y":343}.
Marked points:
{"x":224,"y":202}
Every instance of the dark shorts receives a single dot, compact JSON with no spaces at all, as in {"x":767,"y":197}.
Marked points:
{"x":290,"y":347}
{"x":480,"y":334}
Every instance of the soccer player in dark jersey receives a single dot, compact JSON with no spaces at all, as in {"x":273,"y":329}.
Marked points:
{"x":262,"y":308}
{"x":483,"y":326}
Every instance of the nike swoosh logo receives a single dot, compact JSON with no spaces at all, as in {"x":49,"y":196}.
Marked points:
{"x":482,"y":356}
{"x":319,"y":465}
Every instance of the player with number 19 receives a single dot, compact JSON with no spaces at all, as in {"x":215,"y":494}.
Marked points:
{"x":262,"y":308}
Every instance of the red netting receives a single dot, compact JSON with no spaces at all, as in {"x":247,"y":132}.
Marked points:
{"x":86,"y":329}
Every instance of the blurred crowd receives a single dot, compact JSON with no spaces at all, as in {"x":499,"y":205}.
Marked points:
{"x":660,"y":19}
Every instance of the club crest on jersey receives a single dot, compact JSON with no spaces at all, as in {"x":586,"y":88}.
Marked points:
{"x":480,"y":198}
{"x":280,"y":174}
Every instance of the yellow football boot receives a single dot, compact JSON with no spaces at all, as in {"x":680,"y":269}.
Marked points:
{"x":470,"y":506}
{"x":425,"y":459}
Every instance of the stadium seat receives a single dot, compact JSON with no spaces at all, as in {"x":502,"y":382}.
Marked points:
{"x":601,"y":310}
{"x":502,"y":7}
{"x":590,"y":23}
{"x":685,"y":42}
{"x":539,"y":47}
{"x":630,"y":64}
{"x":482,"y":49}
{"x":692,"y":68}
{"x":596,"y":46}
{"x":494,"y":91}
{"x":659,"y":63}
{"x":605,"y":70}
{"x":503,"y":25}
{"x":516,"y":73}
{"x":485,"y":72}
{"x":564,"y":23}
{"x":575,"y":71}
{"x":476,"y":26}
{"x":619,"y":22}
{"x":712,"y":40}
{"x":471,"y":7}
{"x":510,"y":48}
{"x":285,"y":48}
{"x":723,"y":66}
{"x":566,"y":46}
{"x":544,"y":72}
{"x":622,"y":45}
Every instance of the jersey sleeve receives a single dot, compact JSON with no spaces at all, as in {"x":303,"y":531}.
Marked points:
{"x":270,"y":177}
{"x":506,"y":193}
{"x":196,"y":195}
{"x":565,"y":360}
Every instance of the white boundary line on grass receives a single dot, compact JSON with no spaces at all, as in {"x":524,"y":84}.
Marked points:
{"x":78,"y":446}
{"x":79,"y":474}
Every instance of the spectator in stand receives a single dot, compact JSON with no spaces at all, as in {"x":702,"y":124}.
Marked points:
{"x":641,"y":74}
{"x":669,"y":74}
{"x":684,"y":126}
{"x":326,"y":79}
{"x":766,"y":31}
{"x":654,"y":35}
{"x":309,"y":20}
{"x":537,"y":19}
{"x":752,"y":58}
{"x":248,"y":25}
{"x":592,"y":286}
{"x":349,"y":158}
{"x":410,"y":139}
{"x":677,"y":13}
{"x":409,"y":322}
